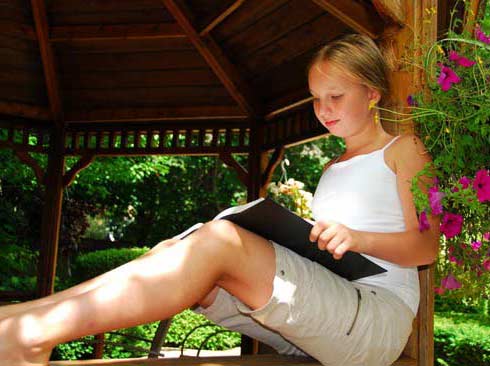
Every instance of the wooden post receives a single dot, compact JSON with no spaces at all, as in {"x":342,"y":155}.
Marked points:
{"x":257,"y":162}
{"x":51,"y":215}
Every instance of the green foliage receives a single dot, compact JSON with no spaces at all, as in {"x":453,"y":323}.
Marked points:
{"x":461,"y":339}
{"x":452,"y":118}
{"x":17,"y":268}
{"x":185,"y":322}
{"x":74,"y":350}
{"x":90,"y":265}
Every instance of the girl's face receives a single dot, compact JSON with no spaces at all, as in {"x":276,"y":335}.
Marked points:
{"x":340,"y":102}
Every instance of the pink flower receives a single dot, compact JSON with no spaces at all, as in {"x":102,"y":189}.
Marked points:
{"x":465,"y":183}
{"x":450,"y":282}
{"x":423,"y":222}
{"x":439,"y":290}
{"x":486,"y":236}
{"x":435,"y":200}
{"x":486,"y":264}
{"x":411,"y":101}
{"x":482,"y":185}
{"x":460,"y":60}
{"x":447,"y":78}
{"x":481,"y":36}
{"x":476,"y":245}
{"x":451,"y":224}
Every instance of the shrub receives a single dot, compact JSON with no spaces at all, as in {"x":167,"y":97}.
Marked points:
{"x":87,"y":266}
{"x":461,"y":339}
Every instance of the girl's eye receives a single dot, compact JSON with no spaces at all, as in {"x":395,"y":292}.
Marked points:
{"x":337,"y":96}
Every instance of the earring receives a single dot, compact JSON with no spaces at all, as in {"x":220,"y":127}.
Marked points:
{"x":372,"y":104}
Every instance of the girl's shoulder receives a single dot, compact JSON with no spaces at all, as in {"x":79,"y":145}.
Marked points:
{"x":407,"y":149}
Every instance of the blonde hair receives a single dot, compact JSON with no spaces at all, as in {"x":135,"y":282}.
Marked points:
{"x":360,"y":58}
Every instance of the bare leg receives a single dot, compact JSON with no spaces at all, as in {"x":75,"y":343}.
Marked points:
{"x":10,"y":310}
{"x":156,"y":286}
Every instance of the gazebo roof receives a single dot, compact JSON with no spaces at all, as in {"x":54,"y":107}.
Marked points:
{"x":138,"y":61}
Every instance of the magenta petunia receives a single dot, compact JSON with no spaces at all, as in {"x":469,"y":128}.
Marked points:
{"x":423,"y":222}
{"x":479,"y":35}
{"x":439,"y":290}
{"x":465,"y":182}
{"x":486,"y":264}
{"x":476,"y":245}
{"x":450,"y":282}
{"x":435,"y":200}
{"x":481,"y":184}
{"x":486,"y":236}
{"x":447,"y":78}
{"x":451,"y":224}
{"x":411,"y":101}
{"x":460,"y":60}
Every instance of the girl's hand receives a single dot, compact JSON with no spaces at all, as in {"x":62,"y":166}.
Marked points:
{"x":336,"y":238}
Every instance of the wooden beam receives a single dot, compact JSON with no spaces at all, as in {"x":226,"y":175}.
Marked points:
{"x":47,"y":57}
{"x":274,"y":161}
{"x":51,"y":214}
{"x":23,"y":31}
{"x":232,"y":163}
{"x":471,"y":15}
{"x":217,"y":60}
{"x":115,"y":32}
{"x":353,"y":14}
{"x":221,"y":17}
{"x":81,"y":164}
{"x":28,"y":160}
{"x":391,"y":9}
{"x":25,"y":110}
{"x":155,"y":114}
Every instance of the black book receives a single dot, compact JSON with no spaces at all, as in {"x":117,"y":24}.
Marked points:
{"x":275,"y":222}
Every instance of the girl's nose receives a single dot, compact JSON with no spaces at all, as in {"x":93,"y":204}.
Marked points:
{"x":324,"y":109}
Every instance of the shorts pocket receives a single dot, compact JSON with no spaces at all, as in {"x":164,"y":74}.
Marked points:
{"x":359,"y":300}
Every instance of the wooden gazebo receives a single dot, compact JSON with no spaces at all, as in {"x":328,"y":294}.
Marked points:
{"x":196,"y":77}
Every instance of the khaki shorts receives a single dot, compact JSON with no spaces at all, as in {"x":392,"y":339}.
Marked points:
{"x":315,"y":312}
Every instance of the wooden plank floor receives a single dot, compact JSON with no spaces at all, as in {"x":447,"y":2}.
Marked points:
{"x":262,"y":360}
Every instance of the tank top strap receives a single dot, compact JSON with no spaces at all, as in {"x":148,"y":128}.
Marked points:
{"x":389,"y":143}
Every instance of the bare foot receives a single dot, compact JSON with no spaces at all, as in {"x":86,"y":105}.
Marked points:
{"x":17,"y":344}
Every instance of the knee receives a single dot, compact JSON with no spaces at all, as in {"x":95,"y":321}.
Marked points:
{"x":163,"y":245}
{"x":220,"y":233}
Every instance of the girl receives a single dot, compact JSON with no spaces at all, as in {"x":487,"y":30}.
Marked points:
{"x":362,"y":203}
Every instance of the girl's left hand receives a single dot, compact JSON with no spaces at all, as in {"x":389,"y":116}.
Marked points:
{"x":336,"y":238}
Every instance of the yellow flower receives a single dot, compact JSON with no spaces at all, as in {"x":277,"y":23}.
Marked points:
{"x":440,"y":50}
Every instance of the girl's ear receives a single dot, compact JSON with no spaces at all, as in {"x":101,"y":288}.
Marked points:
{"x":374,"y":94}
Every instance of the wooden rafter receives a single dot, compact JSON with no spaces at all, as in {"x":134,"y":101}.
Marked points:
{"x":82,"y":163}
{"x":392,"y":9}
{"x":47,"y":57}
{"x":221,"y":17}
{"x":353,"y":14}
{"x":115,"y":32}
{"x":217,"y":60}
{"x":155,"y":114}
{"x":25,"y":110}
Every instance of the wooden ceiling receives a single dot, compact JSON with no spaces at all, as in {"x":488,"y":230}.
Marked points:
{"x":98,"y":61}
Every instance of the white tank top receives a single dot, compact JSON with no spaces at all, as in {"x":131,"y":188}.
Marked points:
{"x":361,"y":193}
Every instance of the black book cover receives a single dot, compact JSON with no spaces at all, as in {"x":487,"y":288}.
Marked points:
{"x":275,"y":222}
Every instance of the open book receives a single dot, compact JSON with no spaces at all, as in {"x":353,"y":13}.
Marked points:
{"x":275,"y":222}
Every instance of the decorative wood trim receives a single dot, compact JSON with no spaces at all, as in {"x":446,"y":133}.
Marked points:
{"x":115,"y":32}
{"x":81,"y":164}
{"x":274,"y":161}
{"x":391,"y":9}
{"x":221,"y":17}
{"x":353,"y":14}
{"x":25,"y":110}
{"x":18,"y":137}
{"x":232,"y":163}
{"x":47,"y":57}
{"x":217,"y":60}
{"x":160,"y":139}
{"x":28,"y":160}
